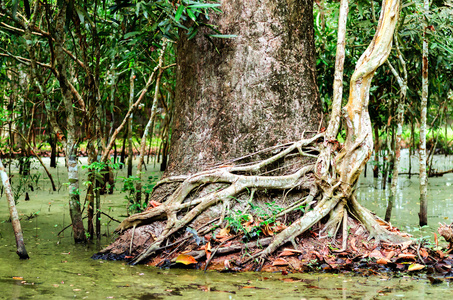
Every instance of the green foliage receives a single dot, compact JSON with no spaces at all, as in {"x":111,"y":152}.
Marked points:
{"x":251,"y":225}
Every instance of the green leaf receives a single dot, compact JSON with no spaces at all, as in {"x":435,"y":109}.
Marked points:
{"x":223,"y":36}
{"x":191,"y":15}
{"x":130,"y":34}
{"x":204,"y":5}
{"x":179,"y":12}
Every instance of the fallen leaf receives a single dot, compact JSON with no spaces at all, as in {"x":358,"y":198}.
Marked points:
{"x":153,"y":204}
{"x":287,"y":253}
{"x":18,"y":278}
{"x":280,"y":262}
{"x":376,"y":254}
{"x":390,"y":254}
{"x":436,"y":241}
{"x":440,"y":253}
{"x":382,"y":261}
{"x":224,"y":232}
{"x":415,"y":267}
{"x":186,"y":259}
{"x":405,"y":245}
{"x":423,"y":253}
{"x":406,"y":256}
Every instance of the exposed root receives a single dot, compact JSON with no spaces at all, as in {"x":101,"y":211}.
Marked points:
{"x":199,"y":192}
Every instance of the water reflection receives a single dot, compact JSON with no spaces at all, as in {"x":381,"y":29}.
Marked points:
{"x":58,"y":269}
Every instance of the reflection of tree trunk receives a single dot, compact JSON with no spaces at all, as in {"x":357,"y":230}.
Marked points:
{"x":21,"y":251}
{"x":123,"y":148}
{"x":402,"y":82}
{"x":376,"y":151}
{"x":53,"y":150}
{"x":90,"y":189}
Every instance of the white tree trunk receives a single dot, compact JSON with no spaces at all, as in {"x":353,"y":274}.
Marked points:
{"x":423,"y":110}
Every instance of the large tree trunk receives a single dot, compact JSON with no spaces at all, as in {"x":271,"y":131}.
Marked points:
{"x":211,"y":125}
{"x":258,"y":90}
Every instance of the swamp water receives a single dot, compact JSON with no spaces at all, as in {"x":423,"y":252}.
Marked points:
{"x":58,"y":269}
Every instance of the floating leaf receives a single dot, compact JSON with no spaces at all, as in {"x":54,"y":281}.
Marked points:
{"x":415,"y":267}
{"x":185,"y":259}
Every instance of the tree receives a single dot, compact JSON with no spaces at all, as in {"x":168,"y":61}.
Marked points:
{"x":319,"y":174}
{"x":240,"y":95}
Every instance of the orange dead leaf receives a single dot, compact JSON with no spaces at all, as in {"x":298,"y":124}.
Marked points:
{"x":436,"y":241}
{"x":390,"y":254}
{"x":186,"y":259}
{"x":406,"y":256}
{"x":382,"y":261}
{"x":423,"y":253}
{"x":376,"y":254}
{"x":405,"y":245}
{"x":287,"y":253}
{"x":18,"y":278}
{"x":415,"y":267}
{"x":280,"y":262}
{"x":224,"y":232}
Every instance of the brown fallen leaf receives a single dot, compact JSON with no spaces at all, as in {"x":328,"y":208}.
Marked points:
{"x":224,"y":232}
{"x":390,"y":254}
{"x":406,"y":256}
{"x":280,"y":262}
{"x":153,"y":204}
{"x":440,"y":253}
{"x":415,"y":267}
{"x":405,"y":245}
{"x":287,"y":253}
{"x":382,"y":261}
{"x":376,"y":254}
{"x":423,"y":253}
{"x":186,"y":259}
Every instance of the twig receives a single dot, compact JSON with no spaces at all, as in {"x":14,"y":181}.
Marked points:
{"x":215,"y":251}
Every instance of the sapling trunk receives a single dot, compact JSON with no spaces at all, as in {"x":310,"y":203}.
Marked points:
{"x":21,"y":251}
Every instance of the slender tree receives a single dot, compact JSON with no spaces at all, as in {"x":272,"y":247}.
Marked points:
{"x":423,"y":214}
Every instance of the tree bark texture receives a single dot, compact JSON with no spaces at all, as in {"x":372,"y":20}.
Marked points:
{"x":21,"y":251}
{"x":423,"y":215}
{"x":249,"y":92}
{"x":71,"y":138}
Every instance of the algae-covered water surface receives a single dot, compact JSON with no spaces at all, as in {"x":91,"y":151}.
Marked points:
{"x":58,"y":269}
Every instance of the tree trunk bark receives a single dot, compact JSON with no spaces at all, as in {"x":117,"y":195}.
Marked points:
{"x":258,"y":90}
{"x":423,"y":215}
{"x":71,"y":146}
{"x":130,"y":152}
{"x":21,"y":251}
